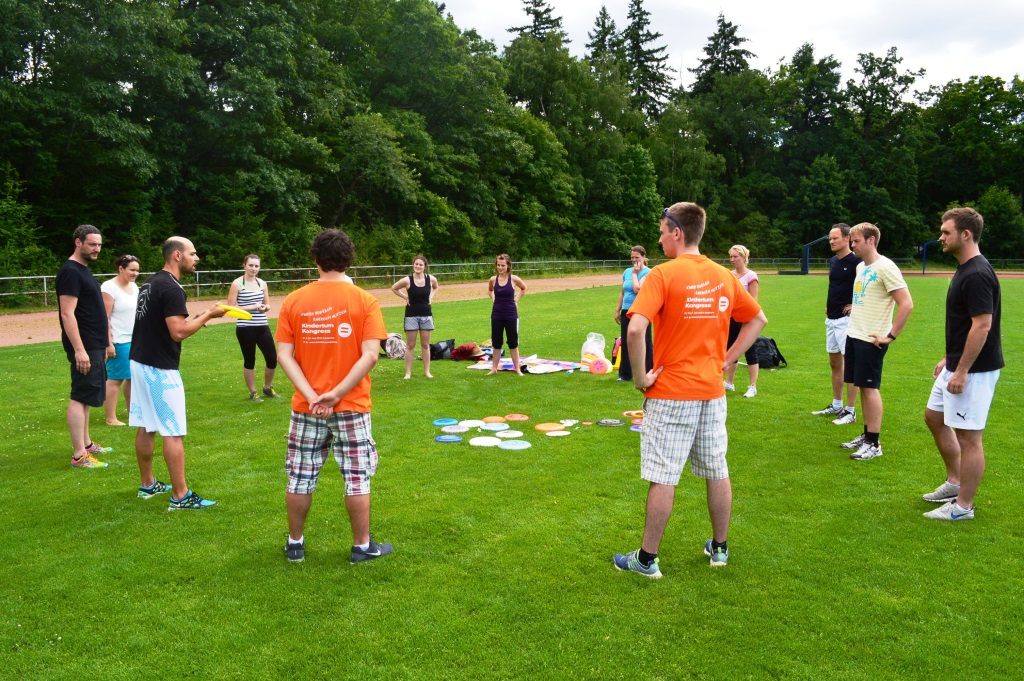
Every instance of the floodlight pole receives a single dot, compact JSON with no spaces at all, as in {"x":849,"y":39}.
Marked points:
{"x":924,"y":254}
{"x":805,"y":265}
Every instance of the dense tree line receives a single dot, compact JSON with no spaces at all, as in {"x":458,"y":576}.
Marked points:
{"x":249,"y":126}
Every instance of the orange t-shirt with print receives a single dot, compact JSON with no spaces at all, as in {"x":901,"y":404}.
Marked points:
{"x":690,"y":299}
{"x":327,"y":322}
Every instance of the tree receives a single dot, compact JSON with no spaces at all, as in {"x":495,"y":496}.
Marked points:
{"x":819,"y":202}
{"x":605,"y":42}
{"x":1003,"y":235}
{"x":724,"y":57}
{"x":542,"y":21}
{"x":647,"y":69}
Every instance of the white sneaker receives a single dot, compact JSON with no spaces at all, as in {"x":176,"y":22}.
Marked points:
{"x":751,"y":392}
{"x":867,"y":451}
{"x":950,"y":511}
{"x":828,"y":411}
{"x":729,"y":386}
{"x":855,"y":443}
{"x":846,"y":417}
{"x":943,"y":493}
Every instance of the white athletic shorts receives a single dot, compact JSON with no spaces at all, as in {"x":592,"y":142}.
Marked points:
{"x":158,"y":400}
{"x":835,"y":335}
{"x":675,"y":429}
{"x":969,"y":409}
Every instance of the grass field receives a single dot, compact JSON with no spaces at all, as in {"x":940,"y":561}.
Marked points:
{"x":502,"y":564}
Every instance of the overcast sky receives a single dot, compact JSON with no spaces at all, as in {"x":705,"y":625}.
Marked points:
{"x":948,"y":39}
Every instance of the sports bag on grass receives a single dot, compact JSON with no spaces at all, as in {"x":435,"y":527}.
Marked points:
{"x":442,"y":350}
{"x":767,"y":352}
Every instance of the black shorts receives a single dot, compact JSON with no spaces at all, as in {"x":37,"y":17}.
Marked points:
{"x":734,"y":332}
{"x":507,"y":327}
{"x":863,"y":366}
{"x":90,"y":388}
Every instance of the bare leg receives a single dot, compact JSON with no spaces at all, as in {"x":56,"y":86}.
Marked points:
{"x":174,"y":456}
{"x":947,"y":443}
{"x":753,"y":370}
{"x":659,"y":508}
{"x":972,"y":465}
{"x":250,"y":380}
{"x":268,"y":377}
{"x":126,"y":388}
{"x":358,"y":508}
{"x":410,"y":352}
{"x":495,"y":361}
{"x":425,"y":351}
{"x":871,"y":404}
{"x":110,"y":403}
{"x":720,"y":507}
{"x":298,"y":508}
{"x":145,"y":443}
{"x":515,"y":361}
{"x":835,"y":362}
{"x":78,"y":427}
{"x":851,"y":395}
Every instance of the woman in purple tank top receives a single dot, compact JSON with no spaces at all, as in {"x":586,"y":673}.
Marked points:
{"x":505,"y":311}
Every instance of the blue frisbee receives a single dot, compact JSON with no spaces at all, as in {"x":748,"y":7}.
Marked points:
{"x":448,"y":438}
{"x":445,"y":422}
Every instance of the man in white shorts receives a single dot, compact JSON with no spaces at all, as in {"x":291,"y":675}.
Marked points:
{"x":965,"y":379}
{"x":690,"y":299}
{"x":158,"y":396}
{"x":842,"y":272}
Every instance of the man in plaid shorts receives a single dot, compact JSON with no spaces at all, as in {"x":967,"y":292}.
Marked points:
{"x":328,"y":335}
{"x":690,"y":300}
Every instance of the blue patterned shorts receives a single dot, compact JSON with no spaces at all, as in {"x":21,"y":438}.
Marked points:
{"x":158,"y":400}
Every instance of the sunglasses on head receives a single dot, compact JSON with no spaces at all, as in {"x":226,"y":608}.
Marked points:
{"x":665,"y":214}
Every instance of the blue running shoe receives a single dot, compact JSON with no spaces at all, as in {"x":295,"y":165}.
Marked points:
{"x":156,"y":488}
{"x":373,"y":551}
{"x":630,"y":563}
{"x":295,"y":553}
{"x":719,"y":557}
{"x":192,"y":501}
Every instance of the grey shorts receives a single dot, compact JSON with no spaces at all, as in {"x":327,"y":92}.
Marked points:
{"x":419,"y":323}
{"x":675,"y":429}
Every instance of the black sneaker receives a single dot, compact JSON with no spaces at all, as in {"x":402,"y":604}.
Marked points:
{"x":374,"y":550}
{"x":192,"y":501}
{"x":268,"y":391}
{"x":295,"y":553}
{"x":253,"y":397}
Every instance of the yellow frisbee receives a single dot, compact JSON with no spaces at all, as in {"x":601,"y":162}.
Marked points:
{"x":235,"y":312}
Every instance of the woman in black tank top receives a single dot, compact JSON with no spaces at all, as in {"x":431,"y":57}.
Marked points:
{"x":418,"y":290}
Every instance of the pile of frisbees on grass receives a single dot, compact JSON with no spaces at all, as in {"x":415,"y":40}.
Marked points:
{"x":507,"y":432}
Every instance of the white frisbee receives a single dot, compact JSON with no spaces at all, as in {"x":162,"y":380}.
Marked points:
{"x":510,"y":433}
{"x":558,"y":433}
{"x":471,"y":423}
{"x":485,"y":442}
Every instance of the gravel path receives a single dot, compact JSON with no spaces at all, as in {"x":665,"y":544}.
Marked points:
{"x":44,"y":327}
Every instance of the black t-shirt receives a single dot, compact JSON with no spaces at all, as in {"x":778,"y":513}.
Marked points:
{"x":973,"y":291}
{"x":160,"y":297}
{"x":75,"y":279}
{"x":841,"y":275}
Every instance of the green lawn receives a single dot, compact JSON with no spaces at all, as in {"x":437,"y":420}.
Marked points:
{"x":502,"y":564}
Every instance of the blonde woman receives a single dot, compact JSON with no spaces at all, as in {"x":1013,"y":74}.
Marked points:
{"x":418,"y":291}
{"x":250,"y":293}
{"x":739,"y":256}
{"x":505,"y":290}
{"x":120,"y":298}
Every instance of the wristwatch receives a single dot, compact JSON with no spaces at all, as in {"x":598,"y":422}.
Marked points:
{"x":890,"y":335}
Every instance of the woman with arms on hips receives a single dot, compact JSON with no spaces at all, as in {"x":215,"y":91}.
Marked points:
{"x":250,"y":293}
{"x":418,"y":290}
{"x":739,"y":256}
{"x":120,"y":297}
{"x":505,"y":289}
{"x":632,"y":280}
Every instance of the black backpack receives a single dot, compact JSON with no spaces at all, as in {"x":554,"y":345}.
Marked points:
{"x":767,"y":352}
{"x":442,"y":350}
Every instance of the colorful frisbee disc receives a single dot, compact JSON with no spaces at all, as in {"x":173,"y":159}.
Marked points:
{"x":494,"y":427}
{"x":634,"y":414}
{"x":494,"y":419}
{"x":445,"y":422}
{"x":611,"y":422}
{"x":568,"y":422}
{"x":510,"y":433}
{"x":635,"y":429}
{"x":454,"y":429}
{"x":471,"y":423}
{"x":448,"y":438}
{"x":558,"y":433}
{"x":236,"y":312}
{"x":485,"y":442}
{"x":548,"y":427}
{"x":637,"y":422}
{"x":517,"y":417}
{"x":588,"y":423}
{"x":514,"y":444}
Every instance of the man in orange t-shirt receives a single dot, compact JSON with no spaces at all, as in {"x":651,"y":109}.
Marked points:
{"x":690,"y":300}
{"x":328,"y":335}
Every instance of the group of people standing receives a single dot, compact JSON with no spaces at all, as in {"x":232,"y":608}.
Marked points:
{"x":329,"y":334}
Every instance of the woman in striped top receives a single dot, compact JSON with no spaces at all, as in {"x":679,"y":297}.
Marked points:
{"x":250,"y":293}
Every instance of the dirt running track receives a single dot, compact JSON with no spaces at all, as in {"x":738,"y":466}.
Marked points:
{"x":44,"y":327}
